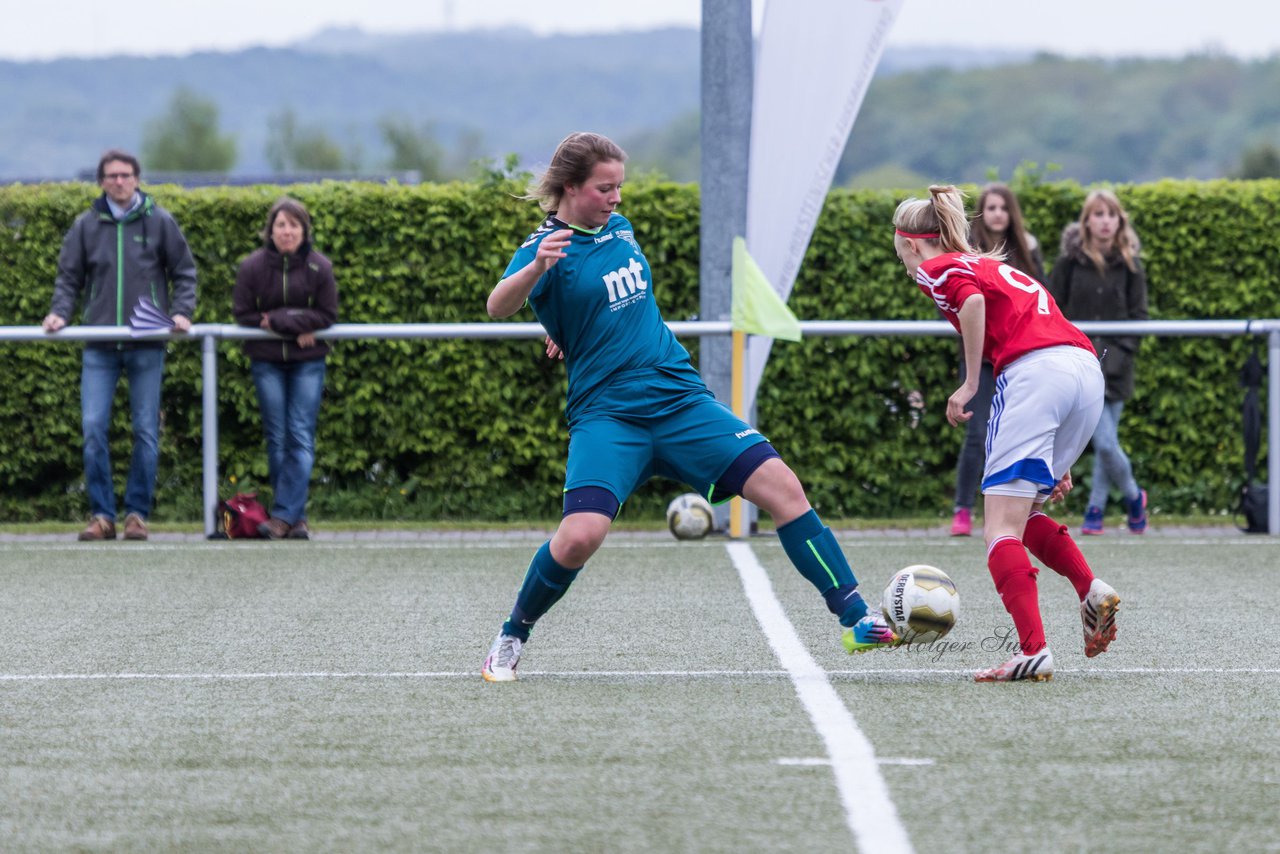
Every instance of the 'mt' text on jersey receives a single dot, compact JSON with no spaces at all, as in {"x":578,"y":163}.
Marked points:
{"x":625,"y":282}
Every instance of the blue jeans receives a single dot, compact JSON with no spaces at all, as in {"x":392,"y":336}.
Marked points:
{"x":289,"y":399}
{"x":973,"y":452}
{"x":98,"y":378}
{"x":1111,"y":466}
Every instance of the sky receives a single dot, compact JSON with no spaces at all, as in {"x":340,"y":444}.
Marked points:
{"x":81,"y":28}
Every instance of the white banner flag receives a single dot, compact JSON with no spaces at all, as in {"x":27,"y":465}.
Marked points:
{"x":814,"y":62}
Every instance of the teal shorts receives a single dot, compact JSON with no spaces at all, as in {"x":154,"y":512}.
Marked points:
{"x":643,"y":430}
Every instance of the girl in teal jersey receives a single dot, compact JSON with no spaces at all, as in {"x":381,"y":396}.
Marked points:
{"x":636,"y":407}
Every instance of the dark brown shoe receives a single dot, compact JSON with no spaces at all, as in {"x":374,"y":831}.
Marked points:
{"x":135,"y":527}
{"x":274,"y":529}
{"x":300,"y":531}
{"x":99,"y":528}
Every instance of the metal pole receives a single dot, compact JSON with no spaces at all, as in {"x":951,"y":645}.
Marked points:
{"x":209,"y":437}
{"x":1273,"y":433}
{"x":739,"y":524}
{"x":725,"y":140}
{"x":726,"y":143}
{"x":210,"y":334}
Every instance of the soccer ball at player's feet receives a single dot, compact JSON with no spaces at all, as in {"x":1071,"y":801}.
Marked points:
{"x":920,"y":604}
{"x":690,"y":517}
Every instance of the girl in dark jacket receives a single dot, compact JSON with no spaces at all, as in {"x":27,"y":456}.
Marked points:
{"x":287,"y":288}
{"x":1098,"y":277}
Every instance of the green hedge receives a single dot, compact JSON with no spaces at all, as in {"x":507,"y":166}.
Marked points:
{"x":473,"y":429}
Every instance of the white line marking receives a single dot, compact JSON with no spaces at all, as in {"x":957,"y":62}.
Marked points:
{"x":1086,"y":671}
{"x":229,"y":677}
{"x":600,"y":674}
{"x":854,"y":539}
{"x":811,"y":761}
{"x":256,"y":545}
{"x":330,"y":545}
{"x":869,"y":811}
{"x":520,"y":540}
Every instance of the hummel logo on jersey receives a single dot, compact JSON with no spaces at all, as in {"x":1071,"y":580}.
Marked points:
{"x":602,"y":238}
{"x":548,"y":226}
{"x":625,"y":281}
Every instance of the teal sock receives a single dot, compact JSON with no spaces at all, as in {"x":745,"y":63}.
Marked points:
{"x":814,"y":551}
{"x":544,"y":583}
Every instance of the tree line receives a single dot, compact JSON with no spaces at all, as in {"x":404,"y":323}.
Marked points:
{"x":187,"y":137}
{"x":1202,"y":116}
{"x":1090,"y":120}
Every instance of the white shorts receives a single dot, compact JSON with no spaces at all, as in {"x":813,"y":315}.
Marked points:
{"x":1045,"y":408}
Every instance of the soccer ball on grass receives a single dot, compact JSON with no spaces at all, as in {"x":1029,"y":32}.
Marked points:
{"x":689,"y":516}
{"x":920,"y":604}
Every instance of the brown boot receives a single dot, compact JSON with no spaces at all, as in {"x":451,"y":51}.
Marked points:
{"x":300,"y":531}
{"x":99,"y":528}
{"x":135,"y":527}
{"x":274,"y":529}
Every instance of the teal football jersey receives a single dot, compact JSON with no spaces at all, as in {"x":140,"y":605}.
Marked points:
{"x":597,"y":303}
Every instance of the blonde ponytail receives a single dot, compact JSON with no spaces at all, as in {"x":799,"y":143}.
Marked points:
{"x":940,"y":220}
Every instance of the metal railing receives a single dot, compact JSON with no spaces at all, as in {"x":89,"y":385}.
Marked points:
{"x":210,"y":334}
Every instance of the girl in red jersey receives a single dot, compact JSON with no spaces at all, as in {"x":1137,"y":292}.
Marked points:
{"x":1048,"y":398}
{"x":997,"y":226}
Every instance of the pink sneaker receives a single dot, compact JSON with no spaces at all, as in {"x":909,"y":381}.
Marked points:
{"x":1092,"y":526}
{"x":1137,"y":514}
{"x":962,"y":522}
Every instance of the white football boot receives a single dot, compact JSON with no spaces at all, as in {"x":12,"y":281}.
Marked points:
{"x":1098,"y":614}
{"x":504,"y":655}
{"x":1020,"y":668}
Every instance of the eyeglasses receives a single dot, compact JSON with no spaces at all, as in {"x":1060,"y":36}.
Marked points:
{"x":117,"y":176}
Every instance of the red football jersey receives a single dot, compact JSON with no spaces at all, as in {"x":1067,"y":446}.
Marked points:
{"x":1021,"y":315}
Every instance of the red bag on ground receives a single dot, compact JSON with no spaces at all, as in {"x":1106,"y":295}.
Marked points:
{"x":240,"y":515}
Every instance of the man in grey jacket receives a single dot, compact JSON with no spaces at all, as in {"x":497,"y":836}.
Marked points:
{"x":123,"y":249}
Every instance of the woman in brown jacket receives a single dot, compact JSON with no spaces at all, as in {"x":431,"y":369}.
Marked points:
{"x":1098,"y":277}
{"x":287,"y":287}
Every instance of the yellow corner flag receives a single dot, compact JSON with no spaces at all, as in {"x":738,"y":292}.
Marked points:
{"x":757,"y":308}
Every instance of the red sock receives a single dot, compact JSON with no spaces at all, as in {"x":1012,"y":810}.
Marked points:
{"x":1015,"y":580}
{"x":1052,"y":544}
